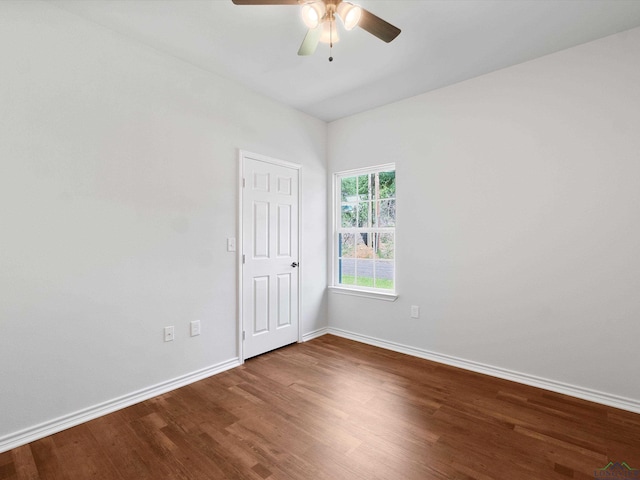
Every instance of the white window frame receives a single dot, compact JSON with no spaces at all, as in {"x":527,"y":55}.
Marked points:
{"x":357,"y":290}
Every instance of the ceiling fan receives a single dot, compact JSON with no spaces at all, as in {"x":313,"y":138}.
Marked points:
{"x":320,"y":17}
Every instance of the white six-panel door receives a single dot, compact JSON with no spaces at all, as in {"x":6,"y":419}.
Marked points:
{"x":270,"y":247}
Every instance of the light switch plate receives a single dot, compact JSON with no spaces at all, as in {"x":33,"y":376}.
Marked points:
{"x":231,"y":244}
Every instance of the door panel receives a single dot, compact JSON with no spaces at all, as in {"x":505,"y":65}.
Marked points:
{"x":284,"y":230}
{"x":260,"y":305}
{"x":270,"y":247}
{"x":261,"y":230}
{"x":284,"y":300}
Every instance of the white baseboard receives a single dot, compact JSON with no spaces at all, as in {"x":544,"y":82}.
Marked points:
{"x":45,"y":429}
{"x":315,"y":334}
{"x":595,"y":396}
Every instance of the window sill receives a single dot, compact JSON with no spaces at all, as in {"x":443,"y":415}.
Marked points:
{"x":387,"y":297}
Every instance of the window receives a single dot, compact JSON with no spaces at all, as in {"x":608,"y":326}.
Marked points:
{"x":365,"y":230}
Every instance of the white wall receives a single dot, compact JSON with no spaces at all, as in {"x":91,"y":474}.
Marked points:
{"x":518,"y":232}
{"x":118,"y":174}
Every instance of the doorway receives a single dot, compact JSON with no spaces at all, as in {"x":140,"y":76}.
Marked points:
{"x":270,"y":251}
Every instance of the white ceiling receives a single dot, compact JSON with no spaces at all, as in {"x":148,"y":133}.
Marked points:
{"x":442,"y":42}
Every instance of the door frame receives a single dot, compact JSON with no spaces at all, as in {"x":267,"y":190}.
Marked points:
{"x":242,"y":154}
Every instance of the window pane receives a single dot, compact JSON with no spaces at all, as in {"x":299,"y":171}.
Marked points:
{"x":384,"y":274}
{"x":387,"y":184}
{"x":363,"y":245}
{"x":363,"y":214}
{"x":348,"y":189}
{"x":365,"y":273}
{"x":363,"y":187}
{"x":385,"y":246}
{"x":387,"y":213}
{"x":349,"y":215}
{"x":347,"y":271}
{"x":347,"y":245}
{"x":375,"y":213}
{"x":372,"y":185}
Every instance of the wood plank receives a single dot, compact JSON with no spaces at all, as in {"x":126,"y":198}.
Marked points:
{"x":7,"y":466}
{"x":25,"y":463}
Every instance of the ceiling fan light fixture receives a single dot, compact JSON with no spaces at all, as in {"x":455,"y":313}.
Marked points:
{"x":329,"y":33}
{"x":313,"y":13}
{"x":350,"y":14}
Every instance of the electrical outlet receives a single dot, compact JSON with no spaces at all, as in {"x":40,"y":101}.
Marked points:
{"x":195,"y":328}
{"x":415,"y":311}
{"x":168,"y":334}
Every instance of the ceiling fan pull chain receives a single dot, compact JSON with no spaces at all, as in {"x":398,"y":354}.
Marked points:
{"x":330,"y":40}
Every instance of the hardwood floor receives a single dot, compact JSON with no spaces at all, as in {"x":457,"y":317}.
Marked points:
{"x":335,"y":409}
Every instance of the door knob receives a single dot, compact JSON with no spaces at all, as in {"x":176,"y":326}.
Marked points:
{"x":294,"y":264}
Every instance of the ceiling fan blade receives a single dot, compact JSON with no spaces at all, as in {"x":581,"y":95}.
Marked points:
{"x":377,"y":26}
{"x":311,"y":40}
{"x":265,"y":2}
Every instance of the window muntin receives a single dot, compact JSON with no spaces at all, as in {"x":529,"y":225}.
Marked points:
{"x":365,"y":229}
